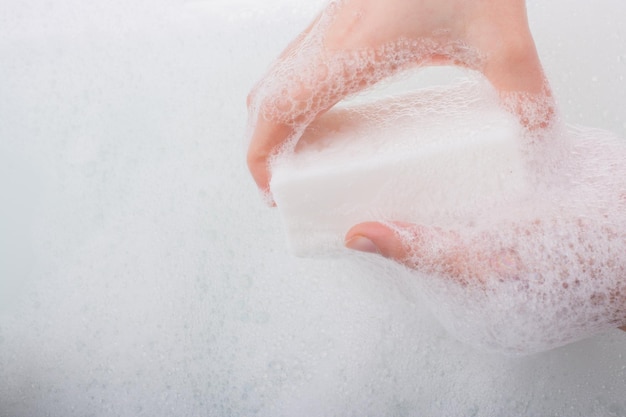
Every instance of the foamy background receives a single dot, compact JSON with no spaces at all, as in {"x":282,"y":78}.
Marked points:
{"x":141,"y":275}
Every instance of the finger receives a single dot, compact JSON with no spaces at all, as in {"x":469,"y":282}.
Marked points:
{"x":377,"y":238}
{"x":423,"y":248}
{"x":283,"y":111}
{"x":513,"y":66}
{"x":435,"y":251}
{"x":310,"y":77}
{"x":267,"y":135}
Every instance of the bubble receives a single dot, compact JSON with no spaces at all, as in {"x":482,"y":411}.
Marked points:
{"x":530,"y":264}
{"x":309,"y":78}
{"x":158,"y":284}
{"x":431,"y":156}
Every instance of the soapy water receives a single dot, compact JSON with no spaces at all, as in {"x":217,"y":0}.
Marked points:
{"x":155,"y":283}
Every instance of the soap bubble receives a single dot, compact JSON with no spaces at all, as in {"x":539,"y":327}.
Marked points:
{"x":157,"y":285}
{"x":529,"y":264}
{"x":322,"y":189}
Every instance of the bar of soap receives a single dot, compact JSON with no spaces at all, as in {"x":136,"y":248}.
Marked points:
{"x":433,"y":157}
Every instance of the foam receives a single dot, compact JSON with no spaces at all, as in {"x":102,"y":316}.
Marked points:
{"x":309,"y":77}
{"x":513,"y":225}
{"x":157,"y":294}
{"x":528,"y":251}
{"x":432,"y":157}
{"x":542,"y":273}
{"x":530,"y":225}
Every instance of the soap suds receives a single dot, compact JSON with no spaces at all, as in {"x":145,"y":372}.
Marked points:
{"x":155,"y":284}
{"x":539,"y":267}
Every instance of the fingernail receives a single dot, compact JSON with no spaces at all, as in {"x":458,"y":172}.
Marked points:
{"x":362,"y":244}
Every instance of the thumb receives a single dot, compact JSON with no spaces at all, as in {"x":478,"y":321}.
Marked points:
{"x":378,"y":238}
{"x":424,"y":248}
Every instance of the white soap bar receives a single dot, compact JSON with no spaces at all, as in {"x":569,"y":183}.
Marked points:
{"x":433,"y":157}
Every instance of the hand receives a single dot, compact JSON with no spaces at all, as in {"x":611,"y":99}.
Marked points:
{"x":544,"y":273}
{"x":565,"y":289}
{"x":353,"y":44}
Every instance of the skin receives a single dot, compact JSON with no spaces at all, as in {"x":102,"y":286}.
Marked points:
{"x":497,"y":30}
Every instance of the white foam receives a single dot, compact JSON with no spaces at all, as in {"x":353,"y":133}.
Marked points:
{"x":155,"y":284}
{"x":530,"y":224}
{"x":433,"y":157}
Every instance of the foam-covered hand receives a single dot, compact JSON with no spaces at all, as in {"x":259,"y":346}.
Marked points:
{"x":546,"y":272}
{"x":355,"y":43}
{"x":543,"y":273}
